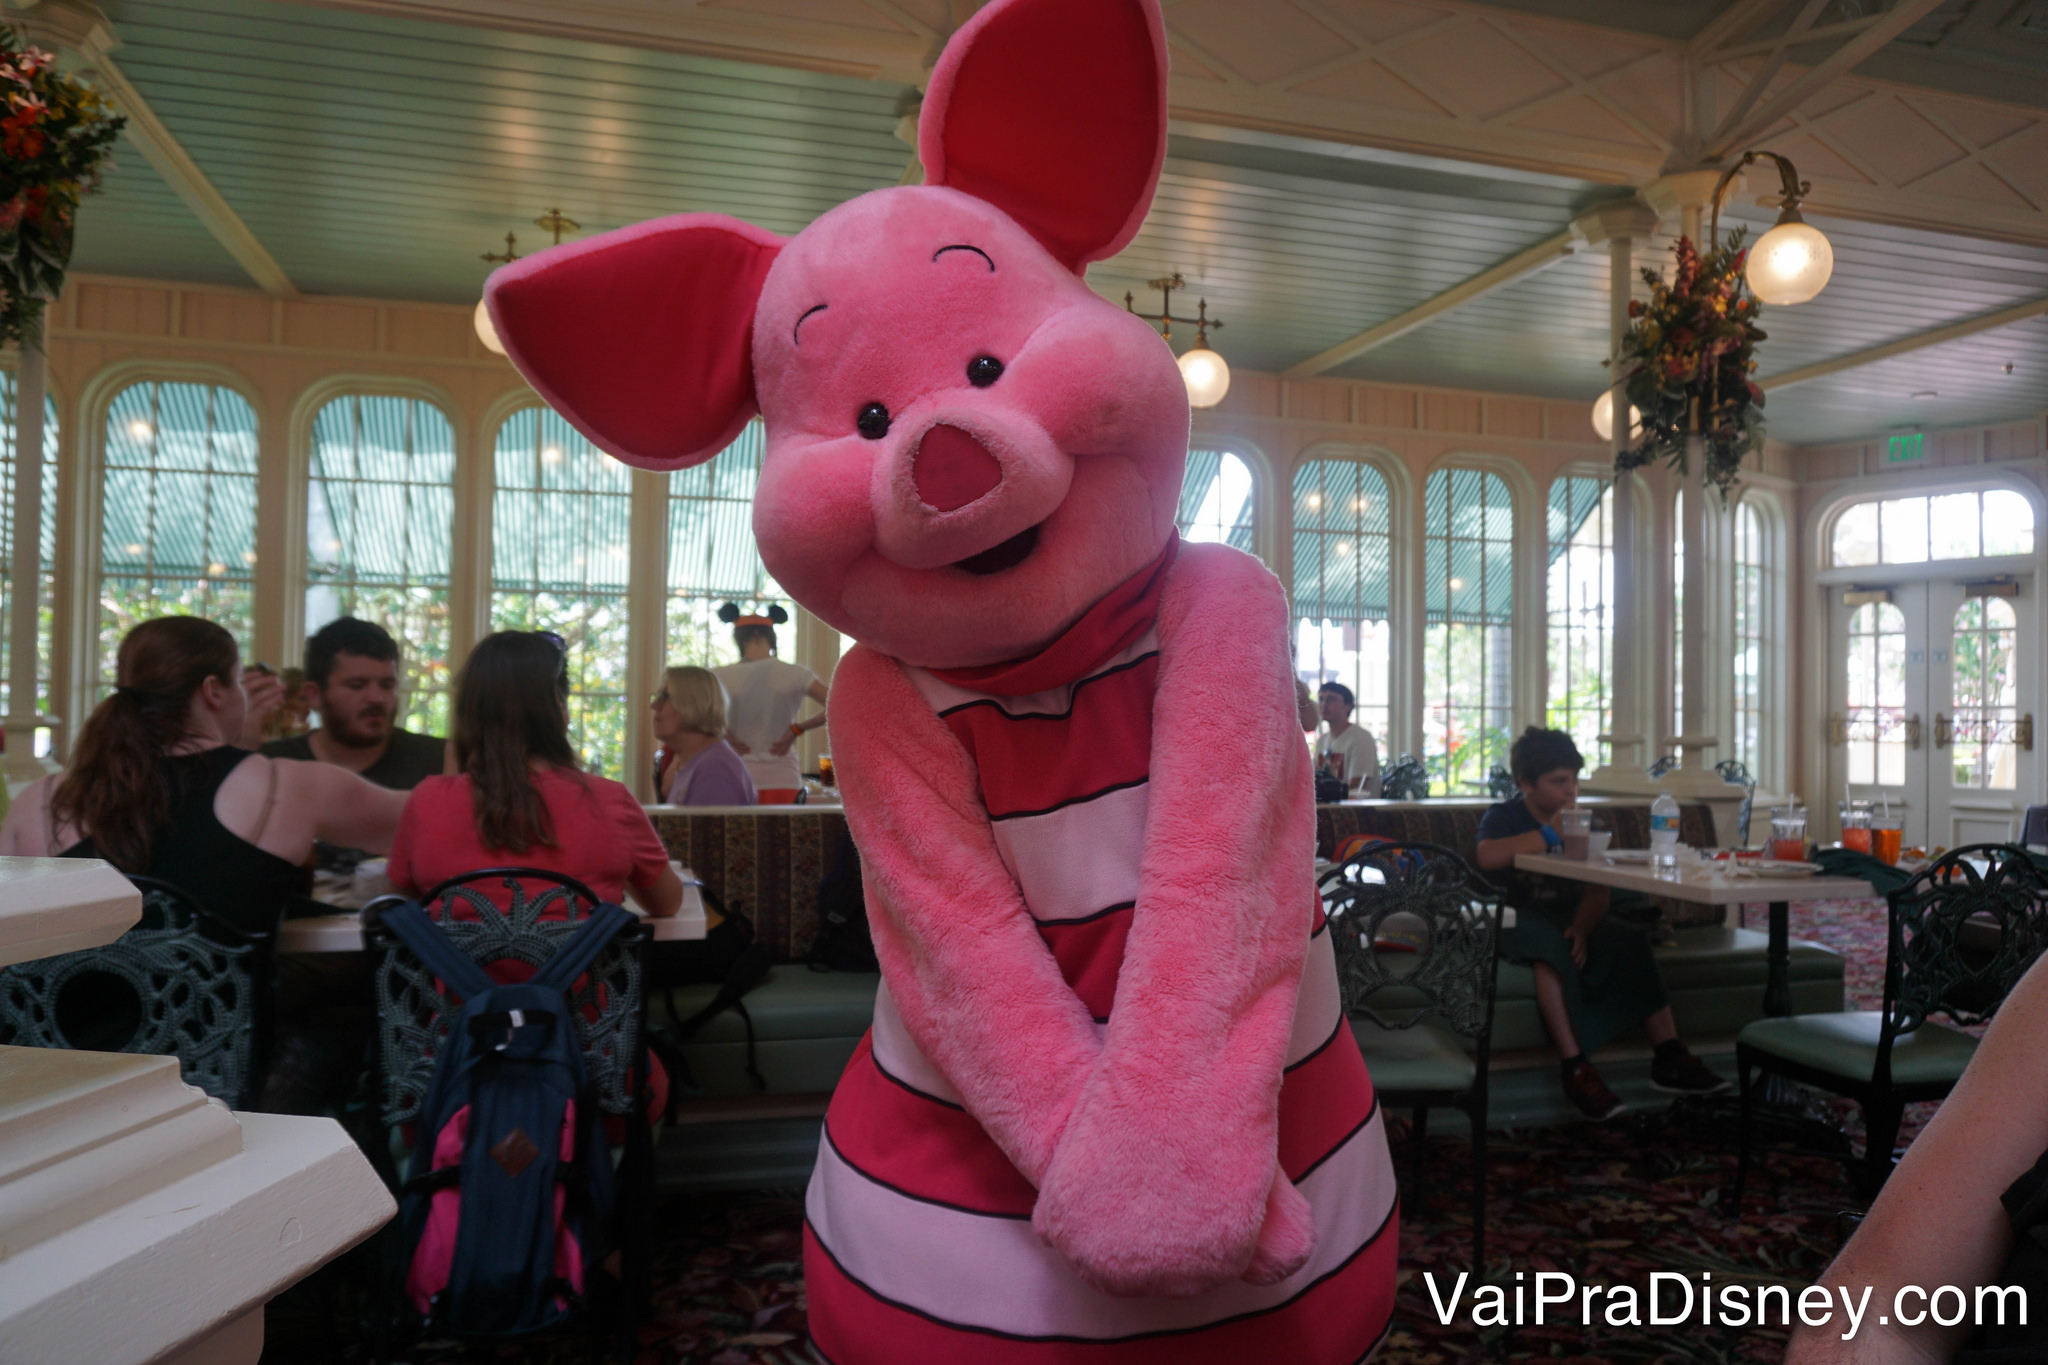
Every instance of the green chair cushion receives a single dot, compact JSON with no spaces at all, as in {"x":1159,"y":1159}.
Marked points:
{"x":1846,"y":1045}
{"x":1425,"y":1057}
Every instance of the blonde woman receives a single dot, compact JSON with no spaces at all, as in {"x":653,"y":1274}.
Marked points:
{"x":701,"y":769}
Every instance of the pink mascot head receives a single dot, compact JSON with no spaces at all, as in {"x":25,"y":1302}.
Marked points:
{"x":966,"y":446}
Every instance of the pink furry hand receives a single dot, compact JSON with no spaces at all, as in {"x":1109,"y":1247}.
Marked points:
{"x":1131,"y":1226}
{"x":1287,"y":1236}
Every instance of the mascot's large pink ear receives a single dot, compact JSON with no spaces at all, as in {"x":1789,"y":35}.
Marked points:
{"x":642,"y":338}
{"x":1055,"y":112}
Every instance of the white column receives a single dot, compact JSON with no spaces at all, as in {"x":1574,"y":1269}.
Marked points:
{"x":1619,"y":225}
{"x":647,"y":610}
{"x":24,"y":601}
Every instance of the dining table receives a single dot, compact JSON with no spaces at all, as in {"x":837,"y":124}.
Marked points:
{"x":341,"y":929}
{"x":1713,"y":882}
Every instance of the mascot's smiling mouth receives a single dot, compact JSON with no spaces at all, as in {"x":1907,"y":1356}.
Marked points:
{"x":1007,"y":555}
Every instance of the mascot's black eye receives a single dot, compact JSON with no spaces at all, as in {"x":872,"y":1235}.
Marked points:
{"x":873,"y":421}
{"x":984,"y":370}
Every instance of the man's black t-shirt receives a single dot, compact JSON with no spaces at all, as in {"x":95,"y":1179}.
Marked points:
{"x":406,"y":761}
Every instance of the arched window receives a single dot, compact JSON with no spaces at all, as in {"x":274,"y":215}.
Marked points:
{"x":1971,"y":525}
{"x":1468,"y":636}
{"x":1216,"y":499}
{"x":1343,"y":561}
{"x":559,"y":550}
{"x":1755,"y":591}
{"x":48,"y":589}
{"x":1581,"y":594}
{"x":1876,"y":731}
{"x":712,"y":556}
{"x":380,"y":509}
{"x":1986,"y":694}
{"x":178,"y":521}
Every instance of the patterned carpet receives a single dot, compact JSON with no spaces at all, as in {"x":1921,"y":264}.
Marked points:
{"x":1605,"y":1203}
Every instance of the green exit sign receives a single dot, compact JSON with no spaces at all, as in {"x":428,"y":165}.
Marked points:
{"x":1906,"y":449}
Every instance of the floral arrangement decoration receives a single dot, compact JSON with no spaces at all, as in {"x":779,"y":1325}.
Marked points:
{"x":55,"y":137}
{"x":1687,"y":363}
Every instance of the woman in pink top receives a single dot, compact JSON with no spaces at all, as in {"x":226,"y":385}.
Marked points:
{"x":521,"y":796}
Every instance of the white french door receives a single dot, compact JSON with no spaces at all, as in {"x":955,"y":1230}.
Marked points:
{"x":1931,"y":707}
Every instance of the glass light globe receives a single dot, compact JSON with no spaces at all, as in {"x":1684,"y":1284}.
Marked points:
{"x":1603,"y":417}
{"x":1790,"y":263}
{"x":486,"y":333}
{"x":1206,"y":376}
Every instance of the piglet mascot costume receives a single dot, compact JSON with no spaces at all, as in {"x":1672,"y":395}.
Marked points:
{"x":1110,"y":1109}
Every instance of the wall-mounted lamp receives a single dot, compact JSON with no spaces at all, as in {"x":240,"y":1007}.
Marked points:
{"x":1201,"y":369}
{"x":1792,"y":262}
{"x":553,"y":221}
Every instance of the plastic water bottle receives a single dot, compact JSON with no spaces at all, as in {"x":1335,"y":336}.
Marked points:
{"x":1664,"y":836}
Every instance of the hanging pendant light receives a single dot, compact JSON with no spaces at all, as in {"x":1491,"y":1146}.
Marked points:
{"x":1793,"y":261}
{"x":1204,"y":372}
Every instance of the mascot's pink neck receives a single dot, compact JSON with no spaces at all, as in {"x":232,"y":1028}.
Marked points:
{"x":1124,"y":613}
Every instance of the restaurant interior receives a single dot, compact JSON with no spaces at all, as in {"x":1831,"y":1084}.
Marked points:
{"x":1413,"y":256}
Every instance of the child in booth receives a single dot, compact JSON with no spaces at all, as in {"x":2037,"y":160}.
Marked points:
{"x":1595,"y":979}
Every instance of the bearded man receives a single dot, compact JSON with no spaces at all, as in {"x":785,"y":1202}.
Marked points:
{"x":352,"y":681}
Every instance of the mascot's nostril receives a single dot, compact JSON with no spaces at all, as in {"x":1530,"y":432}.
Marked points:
{"x":952,"y":469}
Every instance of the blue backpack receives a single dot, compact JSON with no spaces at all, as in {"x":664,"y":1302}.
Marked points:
{"x":509,"y":1200}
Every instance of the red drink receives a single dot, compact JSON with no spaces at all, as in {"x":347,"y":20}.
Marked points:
{"x":1857,"y":837}
{"x":1884,"y":843}
{"x":1788,"y":850}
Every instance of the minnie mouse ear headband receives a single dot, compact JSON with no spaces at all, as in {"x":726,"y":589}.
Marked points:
{"x":730,"y":614}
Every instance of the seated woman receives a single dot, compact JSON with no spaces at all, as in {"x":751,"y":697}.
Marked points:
{"x":698,"y":767}
{"x":1594,"y":978}
{"x":521,"y":796}
{"x":159,"y":785}
{"x":522,"y":799}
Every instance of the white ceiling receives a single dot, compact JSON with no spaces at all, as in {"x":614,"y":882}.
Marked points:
{"x":378,"y":154}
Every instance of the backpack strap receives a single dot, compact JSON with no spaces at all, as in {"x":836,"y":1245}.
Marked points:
{"x":436,"y":950}
{"x":573,"y":958}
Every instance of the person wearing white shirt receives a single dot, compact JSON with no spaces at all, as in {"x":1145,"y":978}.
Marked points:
{"x":1346,"y":750}
{"x":766,"y":693}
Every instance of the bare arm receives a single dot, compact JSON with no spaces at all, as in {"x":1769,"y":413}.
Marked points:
{"x":282,"y":805}
{"x":1495,"y":854}
{"x":664,"y":897}
{"x":26,"y":831}
{"x":1939,"y":1220}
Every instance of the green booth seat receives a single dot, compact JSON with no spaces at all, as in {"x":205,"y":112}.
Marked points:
{"x":806,"y":1026}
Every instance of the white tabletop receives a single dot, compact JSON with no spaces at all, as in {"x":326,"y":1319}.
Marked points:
{"x":343,"y":933}
{"x":1705,"y":883}
{"x":59,"y":905}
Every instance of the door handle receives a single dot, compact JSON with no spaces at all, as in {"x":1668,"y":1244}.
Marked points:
{"x":1944,"y":731}
{"x":1838,"y":730}
{"x":1913,"y":731}
{"x":2023,"y":732}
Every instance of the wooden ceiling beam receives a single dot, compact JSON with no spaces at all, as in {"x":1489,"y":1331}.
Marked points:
{"x":1919,"y":341}
{"x":1733,"y":135}
{"x":82,"y":32}
{"x":1541,"y":256}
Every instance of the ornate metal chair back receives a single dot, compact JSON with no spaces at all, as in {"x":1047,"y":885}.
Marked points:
{"x":1500,"y":783}
{"x":505,"y":914}
{"x":1405,"y":780}
{"x":1735,"y":771}
{"x":1662,"y":765}
{"x":1935,"y":965}
{"x":1416,"y":934}
{"x":180,"y":984}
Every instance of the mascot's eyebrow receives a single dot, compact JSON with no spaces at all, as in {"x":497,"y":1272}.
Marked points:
{"x":962,"y":246}
{"x":796,"y":340}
